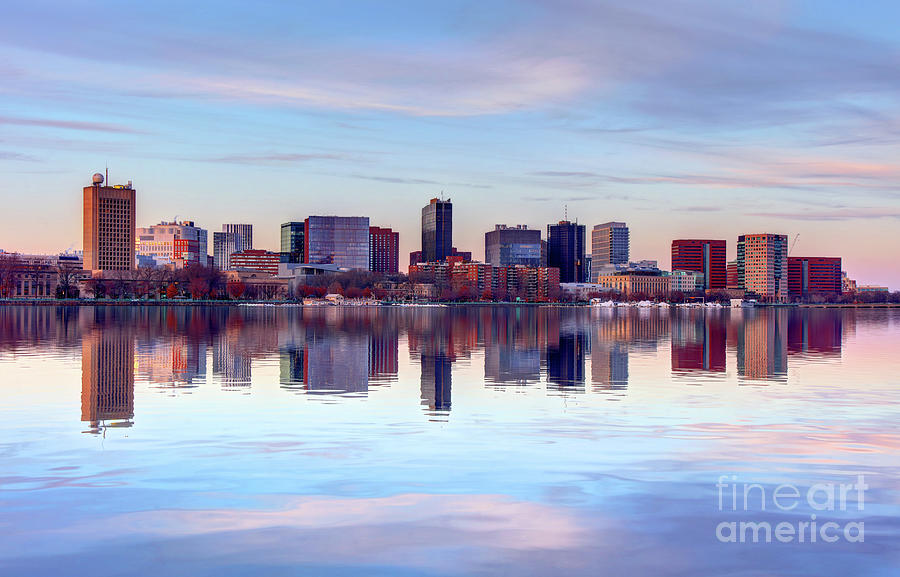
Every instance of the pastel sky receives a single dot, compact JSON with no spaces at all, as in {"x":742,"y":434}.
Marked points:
{"x":682,"y":118}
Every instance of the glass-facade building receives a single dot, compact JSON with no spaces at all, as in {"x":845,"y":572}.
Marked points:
{"x":437,"y":230}
{"x":338,"y":240}
{"x":511,"y":246}
{"x":565,"y":250}
{"x":292,"y":244}
{"x":610,"y":244}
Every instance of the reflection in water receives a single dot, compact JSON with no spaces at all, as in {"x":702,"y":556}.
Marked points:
{"x":537,"y":472}
{"x":338,"y":351}
{"x":107,"y":376}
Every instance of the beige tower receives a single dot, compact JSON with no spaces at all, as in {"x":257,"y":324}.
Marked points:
{"x":108,"y":226}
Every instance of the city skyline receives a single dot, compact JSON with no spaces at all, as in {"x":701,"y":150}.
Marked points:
{"x":693,"y":130}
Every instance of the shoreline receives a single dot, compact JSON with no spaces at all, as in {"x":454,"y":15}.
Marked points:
{"x":425,"y":304}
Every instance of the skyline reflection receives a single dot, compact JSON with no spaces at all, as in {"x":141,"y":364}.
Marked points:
{"x":335,"y":352}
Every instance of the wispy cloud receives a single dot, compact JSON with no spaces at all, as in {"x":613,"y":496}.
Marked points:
{"x":395,"y":179}
{"x":274,"y":158}
{"x":8,"y":155}
{"x":839,"y":214}
{"x":69,"y":125}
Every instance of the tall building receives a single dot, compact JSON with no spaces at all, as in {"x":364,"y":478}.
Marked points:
{"x":703,"y":256}
{"x":224,"y":245}
{"x":243,"y":235}
{"x":338,"y":240}
{"x":762,"y":265}
{"x":813,"y":275}
{"x":159,"y":241}
{"x":511,"y":246}
{"x":108,"y":226}
{"x":384,"y":250}
{"x":437,"y":230}
{"x":610,"y":244}
{"x":565,"y":250}
{"x":292,"y":244}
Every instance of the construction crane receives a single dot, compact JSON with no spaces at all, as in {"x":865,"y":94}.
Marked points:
{"x":793,"y":244}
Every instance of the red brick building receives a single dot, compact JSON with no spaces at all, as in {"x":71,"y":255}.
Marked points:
{"x":384,"y":250}
{"x":253,"y":259}
{"x":703,"y":256}
{"x":813,"y":275}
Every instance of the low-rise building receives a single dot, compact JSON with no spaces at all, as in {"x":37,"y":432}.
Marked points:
{"x":686,"y":281}
{"x":630,"y":284}
{"x":256,"y":260}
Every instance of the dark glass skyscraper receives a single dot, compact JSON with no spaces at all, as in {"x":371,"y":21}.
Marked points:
{"x":437,"y":230}
{"x":292,"y":242}
{"x":565,"y":250}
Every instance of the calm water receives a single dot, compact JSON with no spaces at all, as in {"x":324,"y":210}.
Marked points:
{"x":451,"y":441}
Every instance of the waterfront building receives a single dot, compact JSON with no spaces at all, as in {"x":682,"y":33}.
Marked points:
{"x":610,"y":244}
{"x":292,"y":244}
{"x":813,"y":275}
{"x":108,"y":226}
{"x":384,"y":250}
{"x":869,"y":288}
{"x":510,"y":246}
{"x":338,"y":240}
{"x":762,"y":265}
{"x":732,"y":282}
{"x":565,"y":250}
{"x":686,"y":281}
{"x":255,"y":260}
{"x":158,"y":243}
{"x":40,"y":276}
{"x":630,"y":283}
{"x":437,"y":230}
{"x":703,"y":256}
{"x":848,"y":285}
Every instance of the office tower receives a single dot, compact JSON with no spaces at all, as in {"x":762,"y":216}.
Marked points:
{"x":292,"y":243}
{"x":338,"y":240}
{"x":437,"y":230}
{"x":731,"y":275}
{"x":108,"y":226}
{"x":243,"y":235}
{"x":609,"y":245}
{"x":224,"y":245}
{"x":565,"y":250}
{"x":762,"y":265}
{"x":384,"y":250}
{"x":160,"y":242}
{"x":510,"y":246}
{"x":813,"y":275}
{"x":703,"y":256}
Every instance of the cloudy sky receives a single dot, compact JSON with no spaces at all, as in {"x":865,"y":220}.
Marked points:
{"x":684,"y":119}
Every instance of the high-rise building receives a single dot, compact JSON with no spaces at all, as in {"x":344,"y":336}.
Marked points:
{"x":159,"y":241}
{"x":243,"y":235}
{"x":511,"y":246}
{"x":292,"y":244}
{"x":703,"y":256}
{"x":565,"y":250}
{"x":224,"y":245}
{"x":338,"y":240}
{"x":384,"y":250}
{"x":437,"y":230}
{"x":813,"y":275}
{"x":108,"y":226}
{"x":762,"y":265}
{"x":610,"y":244}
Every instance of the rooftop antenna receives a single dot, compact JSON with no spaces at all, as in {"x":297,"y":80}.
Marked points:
{"x":107,"y":174}
{"x":566,"y":212}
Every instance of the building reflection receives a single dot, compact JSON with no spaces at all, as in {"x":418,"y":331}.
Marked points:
{"x":107,"y":377}
{"x":513,"y":340}
{"x":179,"y":361}
{"x":698,"y":342}
{"x":816,"y":332}
{"x":565,"y":362}
{"x":609,"y":365}
{"x":762,"y":345}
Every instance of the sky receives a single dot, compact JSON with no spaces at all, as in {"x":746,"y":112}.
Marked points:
{"x":685,"y":119}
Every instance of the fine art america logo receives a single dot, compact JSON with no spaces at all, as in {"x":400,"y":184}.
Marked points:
{"x":826,"y":502}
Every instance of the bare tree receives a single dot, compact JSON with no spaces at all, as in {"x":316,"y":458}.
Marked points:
{"x":10,"y":265}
